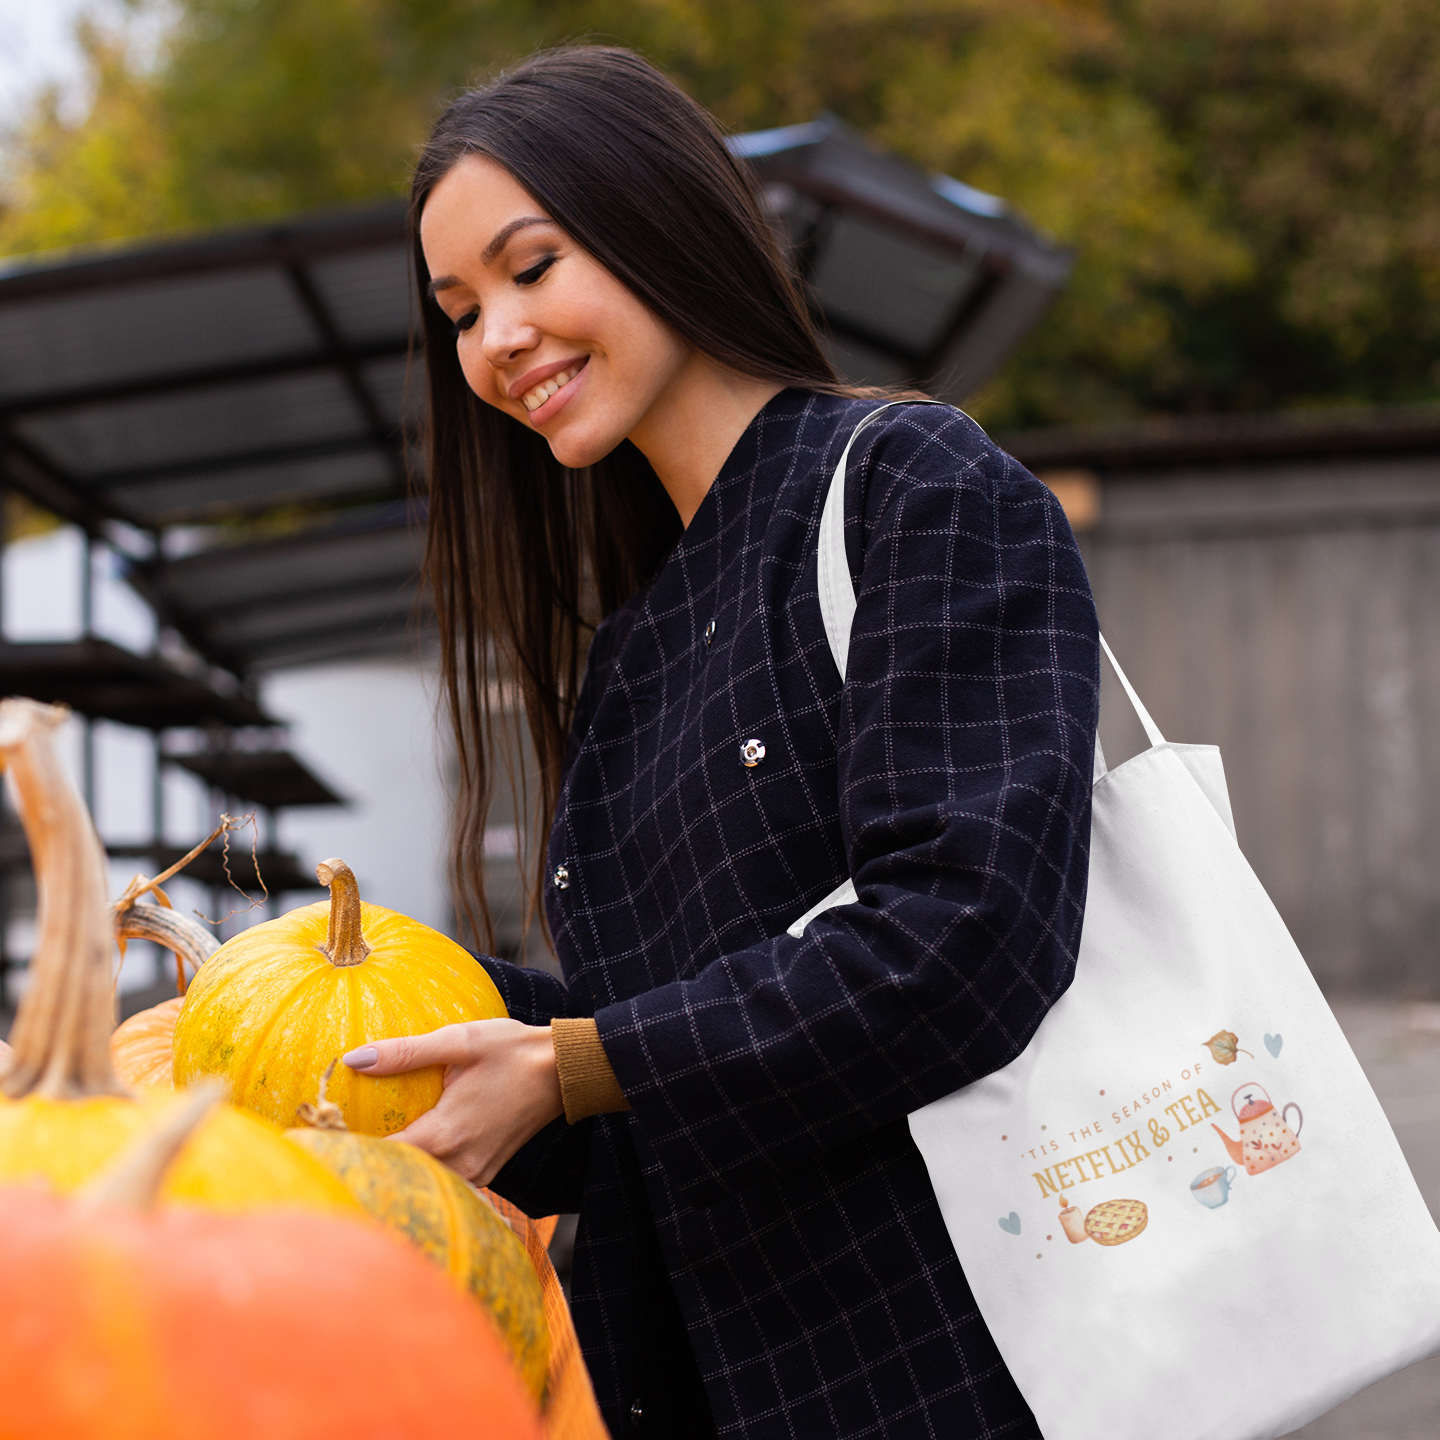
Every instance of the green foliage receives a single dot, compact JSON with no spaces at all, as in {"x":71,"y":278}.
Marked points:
{"x":1314,"y":126}
{"x":1251,"y":185}
{"x":108,"y":179}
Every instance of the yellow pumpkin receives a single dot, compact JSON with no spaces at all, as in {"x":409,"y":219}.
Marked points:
{"x":270,"y":1010}
{"x":64,"y":1115}
{"x":235,"y":1163}
{"x":418,"y":1197}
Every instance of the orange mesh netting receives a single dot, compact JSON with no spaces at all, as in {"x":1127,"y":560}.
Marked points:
{"x":570,"y":1411}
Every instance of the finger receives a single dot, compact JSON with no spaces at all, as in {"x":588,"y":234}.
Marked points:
{"x":449,"y":1045}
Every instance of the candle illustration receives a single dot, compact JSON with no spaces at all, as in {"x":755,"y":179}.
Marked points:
{"x":1072,"y":1221}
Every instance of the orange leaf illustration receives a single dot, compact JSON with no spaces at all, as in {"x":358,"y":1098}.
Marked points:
{"x":1224,"y":1045}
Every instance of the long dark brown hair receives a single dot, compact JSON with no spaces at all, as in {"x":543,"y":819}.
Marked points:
{"x":525,"y":556}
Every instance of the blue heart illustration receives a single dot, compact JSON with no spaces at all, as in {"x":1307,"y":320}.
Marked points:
{"x":1011,"y":1224}
{"x":1273,"y":1044}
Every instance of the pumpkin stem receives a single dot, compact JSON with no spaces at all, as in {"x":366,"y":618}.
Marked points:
{"x":61,"y":1035}
{"x":133,"y":1180}
{"x":344,"y":944}
{"x":169,"y":928}
{"x":323,"y":1114}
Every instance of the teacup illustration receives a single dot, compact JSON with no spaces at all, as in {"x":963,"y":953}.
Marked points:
{"x":1212,"y":1187}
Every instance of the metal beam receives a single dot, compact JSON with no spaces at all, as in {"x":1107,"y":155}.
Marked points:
{"x":284,"y":601}
{"x":1170,"y":443}
{"x":343,"y":358}
{"x":181,"y":471}
{"x":343,"y":642}
{"x":138,"y":577}
{"x":371,"y":227}
{"x":164,"y":514}
{"x":335,"y":356}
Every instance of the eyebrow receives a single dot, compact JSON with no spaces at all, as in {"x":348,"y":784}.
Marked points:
{"x":502,"y":236}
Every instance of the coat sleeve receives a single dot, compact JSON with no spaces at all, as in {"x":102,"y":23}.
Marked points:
{"x":534,"y":996}
{"x":966,"y":745}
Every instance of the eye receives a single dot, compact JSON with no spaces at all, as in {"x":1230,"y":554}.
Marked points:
{"x":530,"y":276}
{"x":464,"y":322}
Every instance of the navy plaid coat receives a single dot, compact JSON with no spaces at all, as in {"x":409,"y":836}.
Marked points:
{"x":763,"y":1199}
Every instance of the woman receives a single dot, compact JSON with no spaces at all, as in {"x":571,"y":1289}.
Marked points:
{"x":631,"y":416}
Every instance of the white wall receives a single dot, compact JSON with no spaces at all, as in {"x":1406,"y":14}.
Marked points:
{"x":368,"y":731}
{"x":41,"y":595}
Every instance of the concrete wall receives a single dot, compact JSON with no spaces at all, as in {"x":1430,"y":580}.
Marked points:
{"x":1290,"y":613}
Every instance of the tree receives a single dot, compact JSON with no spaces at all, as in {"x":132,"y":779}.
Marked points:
{"x":1314,"y":126}
{"x":1250,"y":184}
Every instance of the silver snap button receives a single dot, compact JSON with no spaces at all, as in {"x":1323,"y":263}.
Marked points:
{"x":562,"y":877}
{"x":752,"y":752}
{"x":636,"y":1413}
{"x":709,"y":632}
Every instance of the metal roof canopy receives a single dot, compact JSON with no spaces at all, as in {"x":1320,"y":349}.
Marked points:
{"x":917,"y":278}
{"x":261,"y":372}
{"x":235,"y":376}
{"x":209,"y":378}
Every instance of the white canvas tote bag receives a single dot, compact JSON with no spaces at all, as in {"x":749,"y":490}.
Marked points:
{"x":1181,"y":1210}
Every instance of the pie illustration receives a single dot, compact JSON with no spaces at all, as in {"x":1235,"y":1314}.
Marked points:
{"x":1113,"y":1222}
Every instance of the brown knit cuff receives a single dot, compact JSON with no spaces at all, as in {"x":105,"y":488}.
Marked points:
{"x":587,"y":1083}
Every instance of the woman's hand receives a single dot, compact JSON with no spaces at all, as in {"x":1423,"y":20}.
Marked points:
{"x":501,"y":1087}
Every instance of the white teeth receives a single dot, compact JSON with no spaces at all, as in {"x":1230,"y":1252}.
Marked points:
{"x":535,"y":398}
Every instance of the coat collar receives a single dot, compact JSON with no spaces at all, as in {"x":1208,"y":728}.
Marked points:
{"x":774,"y":424}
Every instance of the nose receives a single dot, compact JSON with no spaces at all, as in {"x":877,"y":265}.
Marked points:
{"x":508,"y":333}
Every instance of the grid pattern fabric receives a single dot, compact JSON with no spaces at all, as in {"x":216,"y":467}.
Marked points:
{"x":770,"y":1077}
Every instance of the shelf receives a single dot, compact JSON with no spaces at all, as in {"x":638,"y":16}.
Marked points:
{"x":274,"y":779}
{"x":105,"y":682}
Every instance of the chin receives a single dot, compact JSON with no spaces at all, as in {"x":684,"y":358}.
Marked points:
{"x":576,"y":451}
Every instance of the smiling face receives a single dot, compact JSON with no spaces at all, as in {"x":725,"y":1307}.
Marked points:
{"x":542,"y":330}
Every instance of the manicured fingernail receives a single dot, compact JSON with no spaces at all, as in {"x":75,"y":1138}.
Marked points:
{"x":361,"y":1058}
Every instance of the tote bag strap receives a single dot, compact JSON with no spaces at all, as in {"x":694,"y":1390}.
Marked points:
{"x":837,"y":589}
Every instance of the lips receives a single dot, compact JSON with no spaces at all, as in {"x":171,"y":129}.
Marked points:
{"x":543,"y":385}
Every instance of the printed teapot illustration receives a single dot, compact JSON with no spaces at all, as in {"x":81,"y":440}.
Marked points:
{"x":1265,"y":1139}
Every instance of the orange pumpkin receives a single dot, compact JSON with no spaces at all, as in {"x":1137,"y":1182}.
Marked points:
{"x":277,"y":1003}
{"x":118,"y":1320}
{"x":142,"y":1047}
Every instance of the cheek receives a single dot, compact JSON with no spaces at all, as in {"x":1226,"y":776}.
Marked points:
{"x":479,"y":375}
{"x":650,"y":353}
